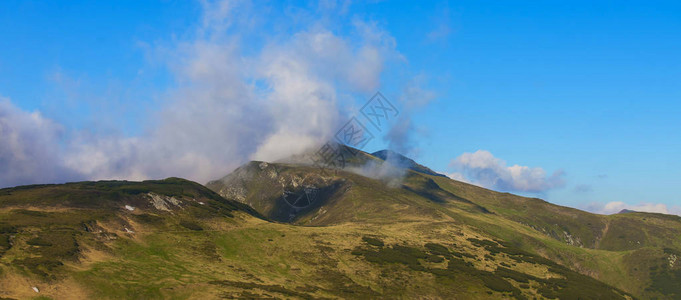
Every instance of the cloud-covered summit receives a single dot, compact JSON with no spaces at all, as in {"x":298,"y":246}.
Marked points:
{"x":243,"y":91}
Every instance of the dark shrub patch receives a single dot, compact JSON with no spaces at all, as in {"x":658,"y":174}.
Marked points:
{"x":191,"y":225}
{"x":515,"y":275}
{"x":438,"y":249}
{"x":575,"y":286}
{"x":31,"y":213}
{"x":396,"y":254}
{"x":410,"y":251}
{"x":148,"y":219}
{"x":482,"y":243}
{"x":358,"y":252}
{"x":435,"y":259}
{"x":497,"y":284}
{"x":548,"y":292}
{"x":667,"y":282}
{"x":572,"y":286}
{"x":373,"y":241}
{"x":40,"y":266}
{"x":6,"y":228}
{"x":4,"y":242}
{"x":668,"y":251}
{"x":38,"y":241}
{"x":55,"y":245}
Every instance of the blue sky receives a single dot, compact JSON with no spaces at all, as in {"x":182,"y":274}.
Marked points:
{"x":588,"y":91}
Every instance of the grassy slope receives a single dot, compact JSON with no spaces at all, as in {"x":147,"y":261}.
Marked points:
{"x":627,"y":250}
{"x":72,"y":241}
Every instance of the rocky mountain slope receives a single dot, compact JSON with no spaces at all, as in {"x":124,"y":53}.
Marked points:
{"x":635,"y":252}
{"x":292,"y":230}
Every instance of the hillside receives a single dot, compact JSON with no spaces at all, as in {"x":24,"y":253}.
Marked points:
{"x":635,"y":252}
{"x":173,"y":238}
{"x":289,"y":230}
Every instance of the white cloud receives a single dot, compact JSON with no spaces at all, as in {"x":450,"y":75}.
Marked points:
{"x":29,"y":147}
{"x":242,"y":93}
{"x":486,"y":170}
{"x":459,"y":177}
{"x":617,"y":206}
{"x":305,"y":74}
{"x":234,"y":105}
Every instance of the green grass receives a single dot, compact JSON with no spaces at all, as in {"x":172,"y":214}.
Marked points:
{"x":429,"y":237}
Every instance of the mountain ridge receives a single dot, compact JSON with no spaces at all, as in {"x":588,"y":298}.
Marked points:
{"x":638,"y":233}
{"x":405,"y":162}
{"x":293,"y":230}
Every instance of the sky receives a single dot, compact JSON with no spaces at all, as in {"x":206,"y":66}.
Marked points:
{"x":577,"y":103}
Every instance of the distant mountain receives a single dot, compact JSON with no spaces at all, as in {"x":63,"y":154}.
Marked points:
{"x":291,"y":230}
{"x":404,"y":161}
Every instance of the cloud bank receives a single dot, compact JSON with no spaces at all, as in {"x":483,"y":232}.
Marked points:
{"x":482,"y":168}
{"x":617,"y":206}
{"x":242,"y":92}
{"x":29,"y":147}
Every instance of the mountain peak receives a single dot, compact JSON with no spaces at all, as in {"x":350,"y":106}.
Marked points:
{"x":403,"y":161}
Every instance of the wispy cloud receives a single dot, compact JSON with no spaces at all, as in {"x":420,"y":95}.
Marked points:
{"x":233,"y":104}
{"x":442,"y":31}
{"x":29,"y":147}
{"x":242,"y":92}
{"x":402,"y":135}
{"x":482,"y":168}
{"x":441,"y":24}
{"x":583,"y":188}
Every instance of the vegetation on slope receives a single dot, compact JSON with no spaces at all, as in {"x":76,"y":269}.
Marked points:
{"x":427,"y":236}
{"x":608,"y":248}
